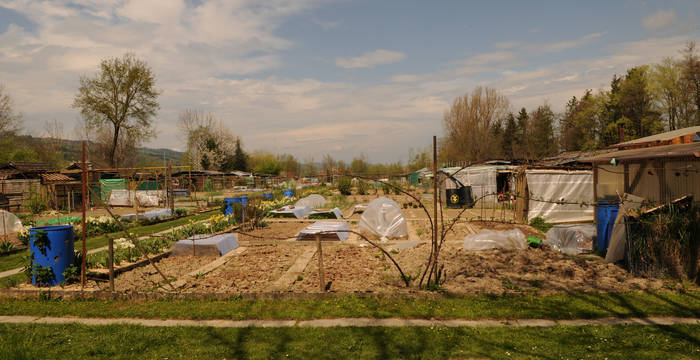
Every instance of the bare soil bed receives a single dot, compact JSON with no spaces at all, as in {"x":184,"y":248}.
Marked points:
{"x":275,"y":231}
{"x":254,"y":270}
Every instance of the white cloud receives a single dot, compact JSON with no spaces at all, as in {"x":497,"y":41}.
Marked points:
{"x":370,"y":59}
{"x":660,"y":19}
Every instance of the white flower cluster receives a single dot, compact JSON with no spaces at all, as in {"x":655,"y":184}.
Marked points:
{"x":123,"y":243}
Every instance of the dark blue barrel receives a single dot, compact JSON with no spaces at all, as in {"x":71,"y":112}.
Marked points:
{"x":229,"y":204}
{"x":606,"y":212}
{"x":52,"y":246}
{"x":289,"y":193}
{"x":267,"y":196}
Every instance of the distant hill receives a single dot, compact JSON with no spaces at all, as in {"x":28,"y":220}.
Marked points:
{"x":71,"y":150}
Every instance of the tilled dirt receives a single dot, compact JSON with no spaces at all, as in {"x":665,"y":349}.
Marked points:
{"x":254,"y":270}
{"x":348,"y":269}
{"x":275,"y":231}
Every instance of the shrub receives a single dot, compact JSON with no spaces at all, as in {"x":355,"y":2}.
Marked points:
{"x":345,"y":185}
{"x":396,"y":187}
{"x":36,"y":204}
{"x":362,"y":187}
{"x":665,"y":242}
{"x":6,"y":247}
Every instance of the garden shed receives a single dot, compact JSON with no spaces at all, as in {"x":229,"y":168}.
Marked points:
{"x":659,"y":174}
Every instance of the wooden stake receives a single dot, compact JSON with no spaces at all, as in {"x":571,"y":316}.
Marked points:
{"x":111,"y":263}
{"x":83,"y":270}
{"x":321,"y":275}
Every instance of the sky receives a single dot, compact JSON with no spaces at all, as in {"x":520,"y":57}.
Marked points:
{"x":310,"y":77}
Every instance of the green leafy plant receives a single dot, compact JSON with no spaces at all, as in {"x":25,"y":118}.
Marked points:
{"x":362,"y":187}
{"x":44,"y":274}
{"x":540,"y":224}
{"x":396,"y":187}
{"x":345,"y":185}
{"x":6,"y":247}
{"x":41,"y":241}
{"x":71,"y":274}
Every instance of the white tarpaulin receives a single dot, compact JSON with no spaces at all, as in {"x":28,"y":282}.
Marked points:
{"x":314,"y":201}
{"x":146,"y":198}
{"x":383,"y":217}
{"x":9,"y":223}
{"x":482,"y":179}
{"x":571,"y":187}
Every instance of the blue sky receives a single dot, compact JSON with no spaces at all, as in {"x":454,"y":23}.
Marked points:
{"x":310,"y":77}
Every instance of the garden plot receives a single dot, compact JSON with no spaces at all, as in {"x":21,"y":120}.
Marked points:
{"x":254,"y":270}
{"x":274,"y":231}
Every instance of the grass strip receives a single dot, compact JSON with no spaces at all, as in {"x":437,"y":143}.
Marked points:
{"x":16,"y":260}
{"x":73,"y":341}
{"x":558,"y":306}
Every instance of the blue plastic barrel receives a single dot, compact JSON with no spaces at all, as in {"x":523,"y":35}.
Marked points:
{"x":56,"y":254}
{"x":606,"y":213}
{"x":289,"y":193}
{"x":229,"y":204}
{"x":267,"y":196}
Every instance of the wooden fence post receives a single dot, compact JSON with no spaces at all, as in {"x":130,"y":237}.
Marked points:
{"x":321,"y":275}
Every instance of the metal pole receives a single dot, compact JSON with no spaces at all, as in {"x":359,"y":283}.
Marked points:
{"x":111,"y":264}
{"x":435,"y":201}
{"x":171,"y":199}
{"x":321,"y":275}
{"x":83,"y":270}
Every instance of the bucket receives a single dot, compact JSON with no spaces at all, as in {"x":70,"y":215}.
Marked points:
{"x":52,"y":247}
{"x":289,"y":193}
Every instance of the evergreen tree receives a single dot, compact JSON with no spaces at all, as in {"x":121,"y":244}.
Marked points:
{"x":521,"y":138}
{"x":240,"y":158}
{"x":543,"y":142}
{"x":509,"y":136}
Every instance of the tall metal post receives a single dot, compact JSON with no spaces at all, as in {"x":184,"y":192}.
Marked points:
{"x":83,"y":270}
{"x":435,"y":200}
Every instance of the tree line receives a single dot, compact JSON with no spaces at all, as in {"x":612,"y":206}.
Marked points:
{"x":644,"y":101}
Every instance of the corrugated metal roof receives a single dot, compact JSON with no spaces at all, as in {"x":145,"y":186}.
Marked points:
{"x":26,"y":166}
{"x":691,"y":150}
{"x":55,"y":177}
{"x":669,"y":135}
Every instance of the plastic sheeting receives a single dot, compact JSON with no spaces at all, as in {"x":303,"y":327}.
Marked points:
{"x":571,"y":239}
{"x":488,"y":239}
{"x":145,"y":197}
{"x":618,"y":238}
{"x":313,"y":201}
{"x":555,"y":185}
{"x":331,"y":230}
{"x":293,"y":211}
{"x":482,"y":179}
{"x":383,"y":217}
{"x":9,"y":223}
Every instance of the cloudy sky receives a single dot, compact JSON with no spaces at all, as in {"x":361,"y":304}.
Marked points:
{"x":309,"y":77}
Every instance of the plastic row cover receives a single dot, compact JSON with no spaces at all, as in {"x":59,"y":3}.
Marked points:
{"x":9,"y":223}
{"x":314,"y":201}
{"x":489,"y":239}
{"x":383,"y":217}
{"x":571,"y":239}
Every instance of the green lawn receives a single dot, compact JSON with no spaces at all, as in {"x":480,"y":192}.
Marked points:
{"x":72,"y":341}
{"x":17,"y":260}
{"x":561,"y":306}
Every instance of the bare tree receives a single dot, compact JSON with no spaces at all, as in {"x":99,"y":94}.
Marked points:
{"x":10,"y":122}
{"x":469,"y":124}
{"x":121,"y":97}
{"x":210,"y":145}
